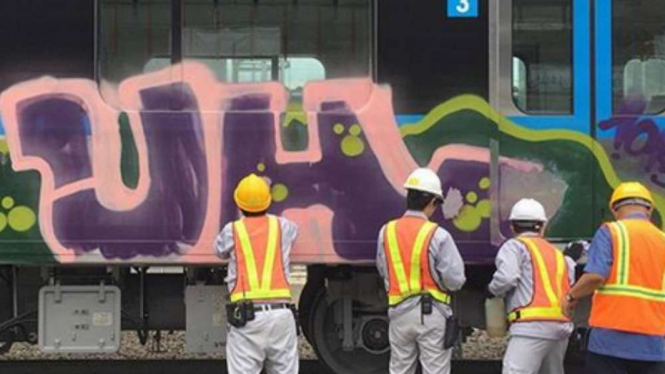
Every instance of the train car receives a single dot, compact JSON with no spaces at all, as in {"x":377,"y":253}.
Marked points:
{"x":127,"y":123}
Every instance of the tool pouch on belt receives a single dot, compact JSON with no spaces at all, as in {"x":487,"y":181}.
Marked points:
{"x":426,"y":304}
{"x":452,"y":332}
{"x":579,"y":340}
{"x":238,"y":314}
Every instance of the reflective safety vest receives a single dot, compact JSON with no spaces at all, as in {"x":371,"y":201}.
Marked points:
{"x":406,"y":245}
{"x":258,"y":246}
{"x":633,"y":297}
{"x":550,"y":283}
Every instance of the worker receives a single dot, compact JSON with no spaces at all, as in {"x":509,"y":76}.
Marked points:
{"x":533,"y":276}
{"x":262,"y":330}
{"x":625,"y":271}
{"x":421,"y":266}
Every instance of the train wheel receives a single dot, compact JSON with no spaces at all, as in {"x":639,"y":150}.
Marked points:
{"x":305,"y":309}
{"x":370,"y":352}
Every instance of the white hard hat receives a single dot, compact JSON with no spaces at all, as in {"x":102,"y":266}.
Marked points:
{"x":528,"y":210}
{"x":425,"y":180}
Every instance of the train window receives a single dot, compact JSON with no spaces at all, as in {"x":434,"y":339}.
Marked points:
{"x":542,"y":50}
{"x":131,"y":34}
{"x":296,"y":71}
{"x":638,"y":54}
{"x":519,"y":82}
{"x":282,"y":40}
{"x":293,"y":71}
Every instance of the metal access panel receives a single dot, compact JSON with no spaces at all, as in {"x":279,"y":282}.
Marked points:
{"x":79,"y":319}
{"x":206,"y":318}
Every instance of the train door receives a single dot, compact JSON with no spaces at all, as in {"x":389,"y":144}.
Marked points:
{"x":630,"y":89}
{"x":433,"y":55}
{"x":540,"y":85}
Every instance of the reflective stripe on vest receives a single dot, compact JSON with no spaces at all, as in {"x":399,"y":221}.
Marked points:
{"x":414,"y":284}
{"x":254,"y":289}
{"x":622,"y":285}
{"x":550,"y":283}
{"x":633,"y":297}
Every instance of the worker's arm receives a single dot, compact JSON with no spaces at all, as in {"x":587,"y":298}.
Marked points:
{"x":381,"y":264}
{"x":508,"y":268}
{"x":448,"y":261}
{"x":596,"y":271}
{"x":224,"y":243}
{"x":588,"y":284}
{"x":289,"y":234}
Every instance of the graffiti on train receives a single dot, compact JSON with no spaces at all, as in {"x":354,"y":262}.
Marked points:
{"x":638,"y":138}
{"x":149,"y":175}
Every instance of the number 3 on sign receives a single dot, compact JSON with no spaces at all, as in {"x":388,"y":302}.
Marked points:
{"x":462,"y":8}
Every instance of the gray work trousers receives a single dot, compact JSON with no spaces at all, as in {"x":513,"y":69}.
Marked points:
{"x":269,"y":339}
{"x":410,"y":337}
{"x":527,"y":355}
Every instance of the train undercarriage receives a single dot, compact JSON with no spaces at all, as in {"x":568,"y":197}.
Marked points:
{"x":342,"y":309}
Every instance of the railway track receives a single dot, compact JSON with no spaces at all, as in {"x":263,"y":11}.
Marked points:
{"x":196,"y":366}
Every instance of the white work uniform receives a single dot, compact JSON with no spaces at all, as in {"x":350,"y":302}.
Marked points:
{"x":270,"y":338}
{"x":534,"y":347}
{"x":410,"y":332}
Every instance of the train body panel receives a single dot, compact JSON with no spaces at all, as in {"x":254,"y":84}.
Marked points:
{"x":141,"y":169}
{"x":340,"y":189}
{"x":125,"y":126}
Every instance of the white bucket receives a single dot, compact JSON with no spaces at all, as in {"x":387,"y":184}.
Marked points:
{"x":495,"y":317}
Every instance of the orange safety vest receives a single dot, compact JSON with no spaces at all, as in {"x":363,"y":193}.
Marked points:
{"x":258,"y":246}
{"x":550,"y":283}
{"x":633,"y":297}
{"x":408,"y":238}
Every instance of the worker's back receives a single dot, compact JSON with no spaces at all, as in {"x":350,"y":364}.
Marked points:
{"x":633,"y":297}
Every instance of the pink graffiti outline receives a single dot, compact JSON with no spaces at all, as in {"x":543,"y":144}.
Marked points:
{"x":371,"y":103}
{"x":105,"y":145}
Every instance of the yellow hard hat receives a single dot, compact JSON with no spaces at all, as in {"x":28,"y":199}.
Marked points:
{"x":631,"y":190}
{"x":252,"y":194}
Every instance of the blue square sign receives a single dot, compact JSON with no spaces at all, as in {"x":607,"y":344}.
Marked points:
{"x":462,"y":8}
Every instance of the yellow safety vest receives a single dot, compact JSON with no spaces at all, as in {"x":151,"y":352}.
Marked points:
{"x":408,"y":238}
{"x":257,"y":248}
{"x":550,"y":283}
{"x":633,"y":298}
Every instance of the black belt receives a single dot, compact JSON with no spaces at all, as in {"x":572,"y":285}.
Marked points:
{"x":268,"y":307}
